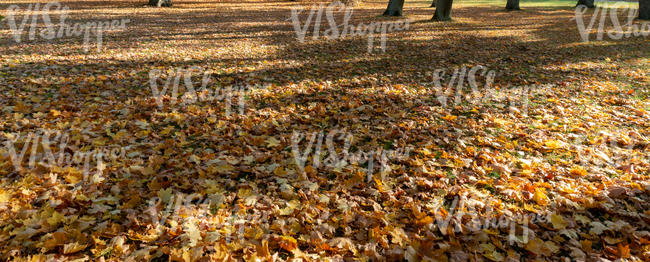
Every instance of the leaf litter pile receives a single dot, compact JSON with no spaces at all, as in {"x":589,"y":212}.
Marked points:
{"x":562,"y":175}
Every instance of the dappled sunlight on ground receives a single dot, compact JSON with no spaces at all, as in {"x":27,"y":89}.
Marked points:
{"x":561,"y":133}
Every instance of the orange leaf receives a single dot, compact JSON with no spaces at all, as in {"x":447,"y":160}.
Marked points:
{"x":449,"y":118}
{"x":287,"y":243}
{"x":624,"y":251}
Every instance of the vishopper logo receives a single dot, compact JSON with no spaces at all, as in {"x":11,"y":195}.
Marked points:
{"x":40,"y":147}
{"x":190,"y":210}
{"x":462,"y":87}
{"x":461,"y":215}
{"x":337,"y":31}
{"x":169,"y":206}
{"x":50,"y":32}
{"x":339,"y":159}
{"x":609,"y":151}
{"x":456,"y":87}
{"x":619,"y":31}
{"x":231,"y":96}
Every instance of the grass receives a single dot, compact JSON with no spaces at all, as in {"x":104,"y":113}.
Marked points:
{"x":525,"y":3}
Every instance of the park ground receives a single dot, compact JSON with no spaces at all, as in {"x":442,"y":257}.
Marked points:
{"x":574,"y":155}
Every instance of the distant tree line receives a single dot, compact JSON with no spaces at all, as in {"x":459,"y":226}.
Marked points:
{"x":443,"y":7}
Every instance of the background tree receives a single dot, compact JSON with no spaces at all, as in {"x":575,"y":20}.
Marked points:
{"x":433,"y":3}
{"x":159,"y":3}
{"x":443,"y":10}
{"x":348,"y":2}
{"x":394,"y":8}
{"x":587,"y":3}
{"x":512,"y":5}
{"x":644,"y":9}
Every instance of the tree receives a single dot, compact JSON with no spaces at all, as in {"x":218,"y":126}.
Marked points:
{"x":644,"y":9}
{"x":512,"y":5}
{"x":587,"y":3}
{"x":443,"y":10}
{"x":394,"y":8}
{"x":159,"y":3}
{"x":350,"y":2}
{"x":433,"y":3}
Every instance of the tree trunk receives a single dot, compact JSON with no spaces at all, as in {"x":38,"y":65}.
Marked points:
{"x":587,"y":3}
{"x":394,"y":8}
{"x":433,"y":3}
{"x":159,"y":3}
{"x":512,"y":5}
{"x":644,"y":9}
{"x":443,"y":10}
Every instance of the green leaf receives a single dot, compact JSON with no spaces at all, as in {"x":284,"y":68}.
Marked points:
{"x":494,"y":174}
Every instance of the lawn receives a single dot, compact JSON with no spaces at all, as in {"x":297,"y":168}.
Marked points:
{"x":545,"y":159}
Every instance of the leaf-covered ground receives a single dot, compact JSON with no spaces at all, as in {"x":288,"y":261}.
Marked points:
{"x":575,"y":154}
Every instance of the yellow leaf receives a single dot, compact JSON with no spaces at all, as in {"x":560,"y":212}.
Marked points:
{"x":167,"y":130}
{"x":221,"y":169}
{"x":578,"y":171}
{"x":279,"y":171}
{"x":55,"y":218}
{"x":165,"y":194}
{"x":58,"y":238}
{"x":272,"y":142}
{"x":244,"y":192}
{"x":55,"y":112}
{"x":425,"y":221}
{"x":558,"y":222}
{"x":341,"y":243}
{"x":530,"y":208}
{"x":250,"y":200}
{"x":500,"y":122}
{"x":192,"y":232}
{"x":4,"y":197}
{"x":612,"y":241}
{"x":490,"y":252}
{"x":36,"y":99}
{"x":540,"y":247}
{"x":285,"y":211}
{"x":489,"y":247}
{"x":494,"y":256}
{"x":291,"y":206}
{"x":73,"y":248}
{"x":597,"y":228}
{"x":553,"y":144}
{"x":580,"y":218}
{"x":147,"y":171}
{"x":426,"y":152}
{"x":73,"y":177}
{"x":100,"y":141}
{"x":540,"y":197}
{"x":294,"y":203}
